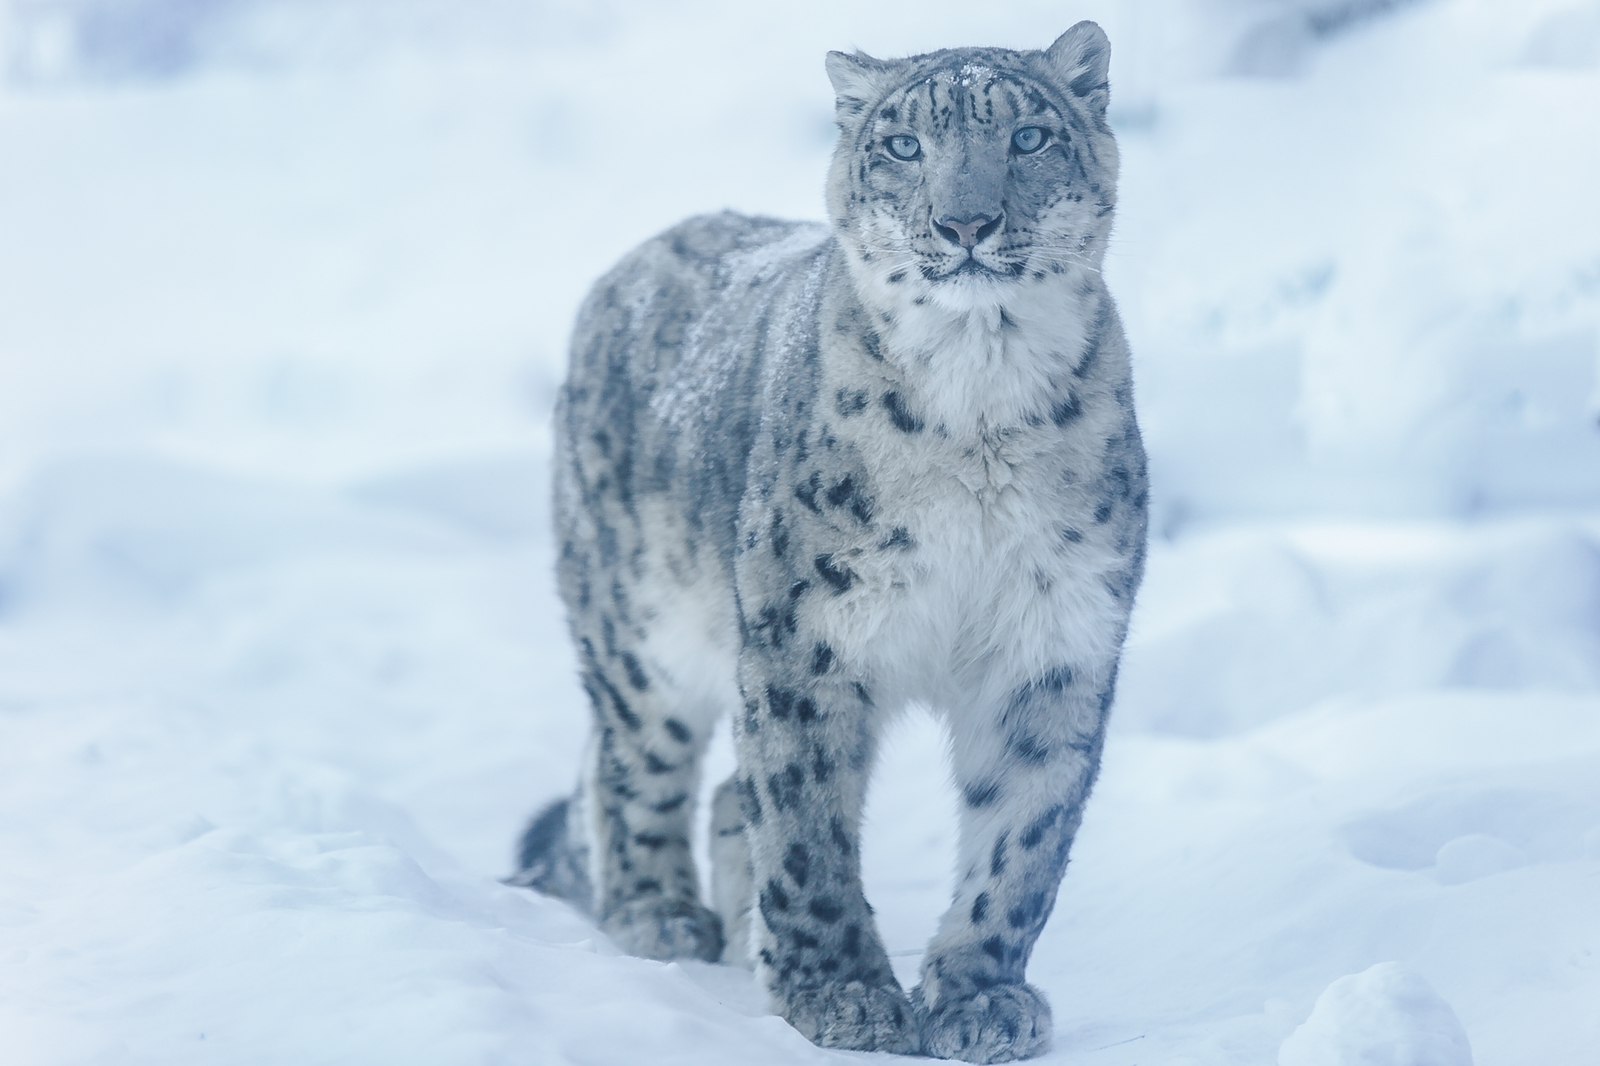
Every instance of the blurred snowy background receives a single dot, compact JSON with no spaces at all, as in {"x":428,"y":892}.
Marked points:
{"x":284,"y":288}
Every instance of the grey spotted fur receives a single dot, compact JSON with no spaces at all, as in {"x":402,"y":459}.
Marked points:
{"x":808,"y":473}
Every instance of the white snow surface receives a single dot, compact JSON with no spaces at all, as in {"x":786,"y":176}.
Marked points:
{"x":1383,"y":1016}
{"x":284,"y":287}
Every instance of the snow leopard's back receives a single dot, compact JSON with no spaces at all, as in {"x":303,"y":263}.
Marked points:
{"x":659,"y":410}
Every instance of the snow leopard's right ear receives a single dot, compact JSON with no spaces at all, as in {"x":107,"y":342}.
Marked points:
{"x":858,"y":80}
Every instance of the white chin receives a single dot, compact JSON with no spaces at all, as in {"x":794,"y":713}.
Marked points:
{"x":969,"y":291}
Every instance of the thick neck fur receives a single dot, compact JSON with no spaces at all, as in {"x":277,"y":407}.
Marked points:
{"x":984,"y":330}
{"x":980,"y":355}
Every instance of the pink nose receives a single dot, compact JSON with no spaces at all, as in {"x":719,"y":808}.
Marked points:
{"x":965,"y":233}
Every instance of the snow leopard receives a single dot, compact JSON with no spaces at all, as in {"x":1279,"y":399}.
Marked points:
{"x":807,"y":474}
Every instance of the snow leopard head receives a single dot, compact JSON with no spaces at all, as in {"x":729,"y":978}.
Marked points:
{"x":974,"y":169}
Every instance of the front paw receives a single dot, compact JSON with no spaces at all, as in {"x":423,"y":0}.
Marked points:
{"x":999,"y":1024}
{"x":655,"y":928}
{"x":855,"y":1016}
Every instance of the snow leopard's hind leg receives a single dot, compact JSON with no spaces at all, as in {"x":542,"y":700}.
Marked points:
{"x":640,"y":781}
{"x":732,"y":879}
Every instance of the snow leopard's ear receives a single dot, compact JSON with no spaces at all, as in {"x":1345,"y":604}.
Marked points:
{"x":1081,"y":61}
{"x":858,"y":80}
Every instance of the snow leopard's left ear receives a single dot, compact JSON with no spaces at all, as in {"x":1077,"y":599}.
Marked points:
{"x":1081,"y":61}
{"x":858,"y":81}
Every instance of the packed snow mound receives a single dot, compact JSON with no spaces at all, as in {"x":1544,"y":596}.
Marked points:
{"x":270,"y":940}
{"x":1234,"y":628}
{"x":1384,"y":1016}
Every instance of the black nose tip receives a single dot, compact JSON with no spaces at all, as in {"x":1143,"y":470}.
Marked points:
{"x":966,"y":232}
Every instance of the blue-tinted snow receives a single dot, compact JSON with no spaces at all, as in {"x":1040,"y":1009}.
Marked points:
{"x":284,"y":287}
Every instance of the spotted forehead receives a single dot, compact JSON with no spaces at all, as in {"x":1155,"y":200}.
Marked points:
{"x":967,"y":94}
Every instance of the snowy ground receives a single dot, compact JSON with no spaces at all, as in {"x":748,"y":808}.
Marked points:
{"x":282,"y":301}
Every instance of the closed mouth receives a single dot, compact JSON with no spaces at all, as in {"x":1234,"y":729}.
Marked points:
{"x":971,"y":265}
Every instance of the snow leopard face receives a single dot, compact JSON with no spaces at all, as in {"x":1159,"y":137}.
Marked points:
{"x":975,"y":169}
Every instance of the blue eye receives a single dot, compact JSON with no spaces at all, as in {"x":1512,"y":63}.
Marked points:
{"x":903,"y":147}
{"x":1029,"y":139}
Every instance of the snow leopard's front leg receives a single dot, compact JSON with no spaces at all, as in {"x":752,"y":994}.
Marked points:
{"x":1025,"y":771}
{"x":806,"y":737}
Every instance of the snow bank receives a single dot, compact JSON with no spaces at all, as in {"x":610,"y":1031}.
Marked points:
{"x":1237,"y":627}
{"x":1383,"y":1016}
{"x":1400,"y":306}
{"x":265,"y":798}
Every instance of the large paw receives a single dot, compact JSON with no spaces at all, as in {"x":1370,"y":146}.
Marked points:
{"x":1000,"y":1024}
{"x":665,"y":929}
{"x":856,"y":1016}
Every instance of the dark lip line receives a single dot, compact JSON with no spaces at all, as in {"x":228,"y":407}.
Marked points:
{"x":971,"y":265}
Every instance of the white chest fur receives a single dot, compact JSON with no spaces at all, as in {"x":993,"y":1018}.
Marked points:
{"x":1000,"y":571}
{"x":982,"y":357}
